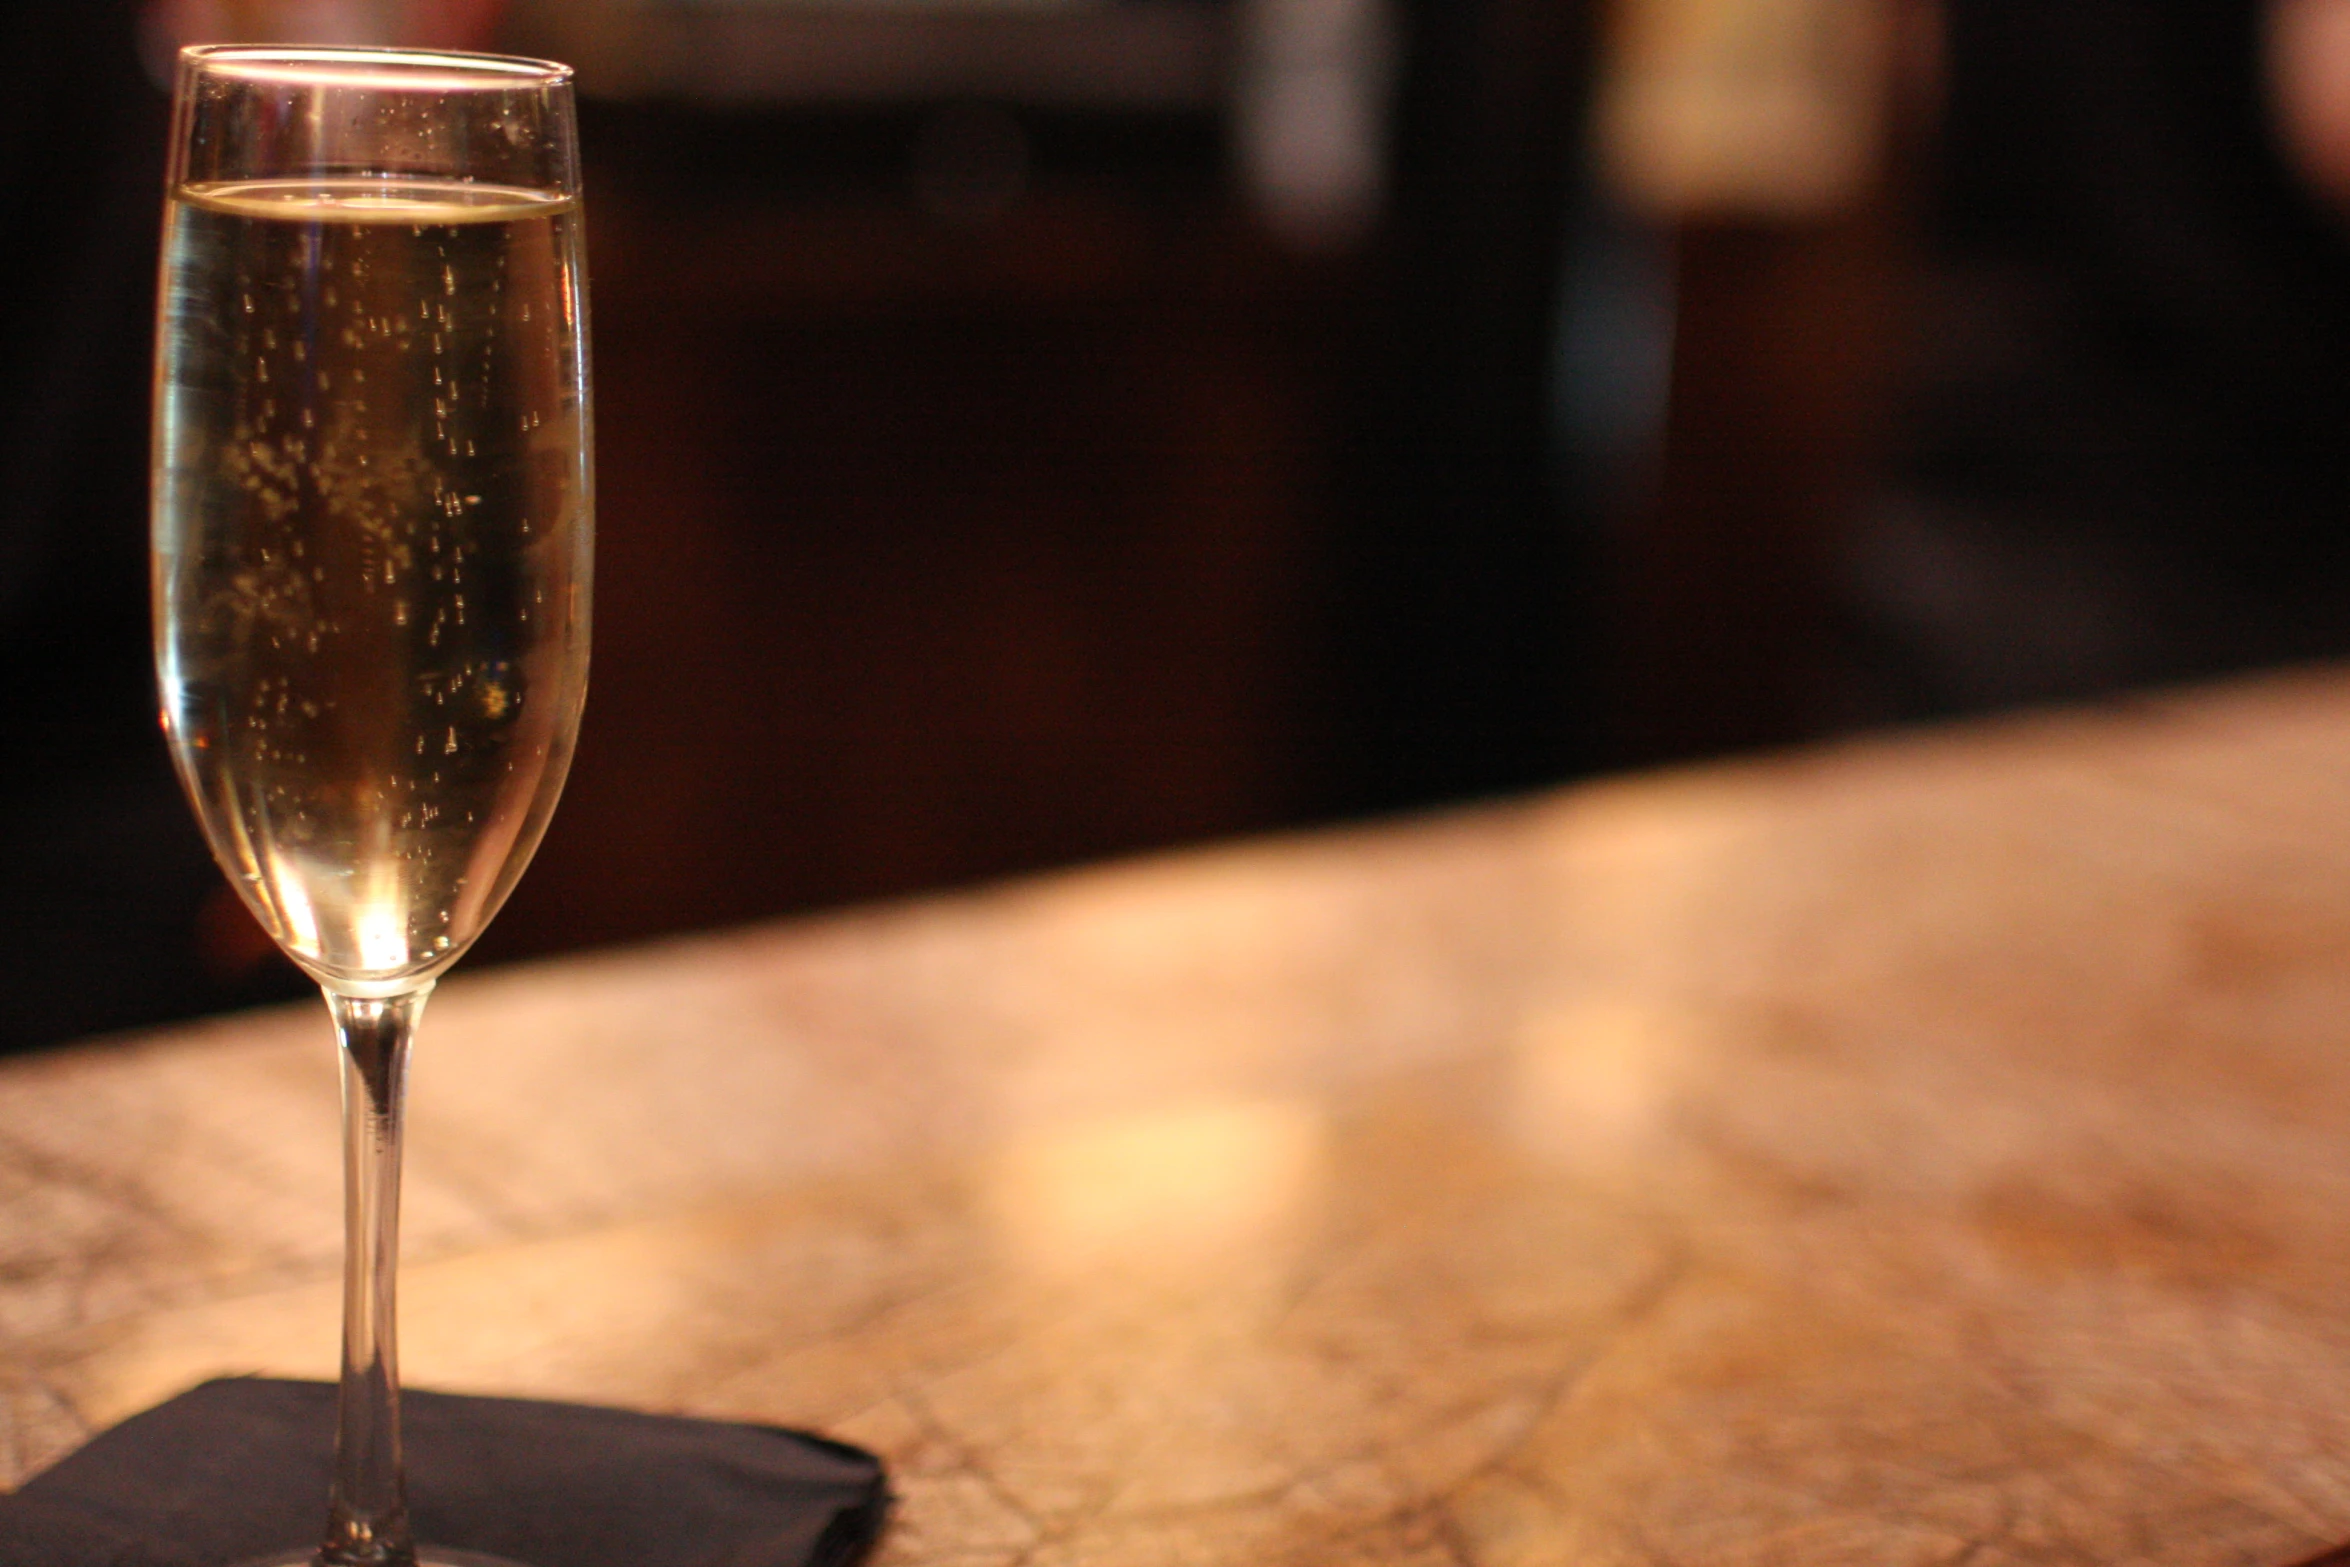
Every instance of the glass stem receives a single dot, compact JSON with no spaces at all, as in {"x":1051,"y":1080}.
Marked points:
{"x":367,"y":1518}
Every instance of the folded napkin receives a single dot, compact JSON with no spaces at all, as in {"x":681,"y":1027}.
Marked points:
{"x":239,"y":1468}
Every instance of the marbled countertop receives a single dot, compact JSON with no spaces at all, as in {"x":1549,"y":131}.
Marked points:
{"x":1929,"y":1150}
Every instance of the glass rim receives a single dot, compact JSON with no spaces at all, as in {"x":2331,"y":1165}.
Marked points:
{"x":378,"y":67}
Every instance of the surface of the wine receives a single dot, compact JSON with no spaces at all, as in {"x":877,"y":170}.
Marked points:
{"x":372,"y":523}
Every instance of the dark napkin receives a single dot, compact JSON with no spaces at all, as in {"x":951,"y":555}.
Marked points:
{"x":239,"y":1468}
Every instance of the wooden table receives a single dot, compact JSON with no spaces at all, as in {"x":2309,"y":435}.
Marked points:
{"x":1930,"y":1150}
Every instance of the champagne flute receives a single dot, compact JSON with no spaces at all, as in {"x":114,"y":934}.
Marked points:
{"x":372,"y":534}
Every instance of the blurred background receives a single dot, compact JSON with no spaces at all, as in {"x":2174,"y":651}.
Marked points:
{"x":1034,"y":430}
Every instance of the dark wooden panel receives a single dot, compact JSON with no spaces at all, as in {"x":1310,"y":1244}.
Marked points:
{"x":929,"y":550}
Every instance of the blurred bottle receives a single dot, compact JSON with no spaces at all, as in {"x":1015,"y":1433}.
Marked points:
{"x":1763,"y":108}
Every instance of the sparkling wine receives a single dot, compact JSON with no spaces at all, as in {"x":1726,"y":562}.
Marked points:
{"x":372,"y":522}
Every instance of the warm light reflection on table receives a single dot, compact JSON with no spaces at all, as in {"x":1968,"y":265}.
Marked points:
{"x":1924,"y":1151}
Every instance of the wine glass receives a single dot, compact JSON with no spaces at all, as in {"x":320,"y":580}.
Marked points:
{"x":372,"y":533}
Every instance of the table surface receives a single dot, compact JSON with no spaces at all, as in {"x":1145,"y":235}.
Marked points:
{"x":1926,"y":1150}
